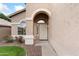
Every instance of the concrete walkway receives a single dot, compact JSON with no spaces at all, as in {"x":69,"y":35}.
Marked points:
{"x":47,"y":50}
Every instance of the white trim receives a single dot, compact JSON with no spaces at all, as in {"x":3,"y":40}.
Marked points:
{"x":38,"y":10}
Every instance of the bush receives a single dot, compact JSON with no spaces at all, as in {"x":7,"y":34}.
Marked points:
{"x":20,"y":39}
{"x":8,"y":39}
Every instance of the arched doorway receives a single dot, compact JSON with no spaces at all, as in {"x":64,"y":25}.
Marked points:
{"x":40,"y":23}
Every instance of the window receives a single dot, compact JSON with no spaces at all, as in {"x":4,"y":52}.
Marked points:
{"x":21,"y":31}
{"x":41,"y":21}
{"x":22,"y":28}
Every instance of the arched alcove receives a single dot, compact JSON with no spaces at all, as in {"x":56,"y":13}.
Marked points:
{"x":40,"y":25}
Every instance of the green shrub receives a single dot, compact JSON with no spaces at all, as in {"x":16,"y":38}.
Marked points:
{"x":8,"y":39}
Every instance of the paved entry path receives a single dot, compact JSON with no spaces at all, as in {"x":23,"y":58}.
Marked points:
{"x":47,"y":50}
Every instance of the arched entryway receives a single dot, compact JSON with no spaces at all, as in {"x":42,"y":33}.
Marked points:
{"x":40,"y":26}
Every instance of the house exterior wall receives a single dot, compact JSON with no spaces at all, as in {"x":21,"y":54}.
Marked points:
{"x":14,"y":29}
{"x":18,"y":17}
{"x":32,"y":7}
{"x":63,"y":29}
{"x":5,"y":31}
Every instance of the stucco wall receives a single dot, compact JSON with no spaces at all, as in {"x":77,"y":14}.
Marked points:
{"x":65,"y":29}
{"x":18,"y":17}
{"x":29,"y":28}
{"x":4,"y":31}
{"x":32,"y":7}
{"x":31,"y":10}
{"x":14,"y":29}
{"x":63,"y":26}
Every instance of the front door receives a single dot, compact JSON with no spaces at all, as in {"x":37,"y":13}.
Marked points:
{"x":42,"y":31}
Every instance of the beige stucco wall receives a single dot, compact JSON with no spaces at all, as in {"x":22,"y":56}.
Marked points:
{"x":15,"y":20}
{"x":32,"y":7}
{"x":63,"y":26}
{"x":4,"y":31}
{"x":18,"y":17}
{"x":29,"y":29}
{"x":14,"y":29}
{"x":65,"y":29}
